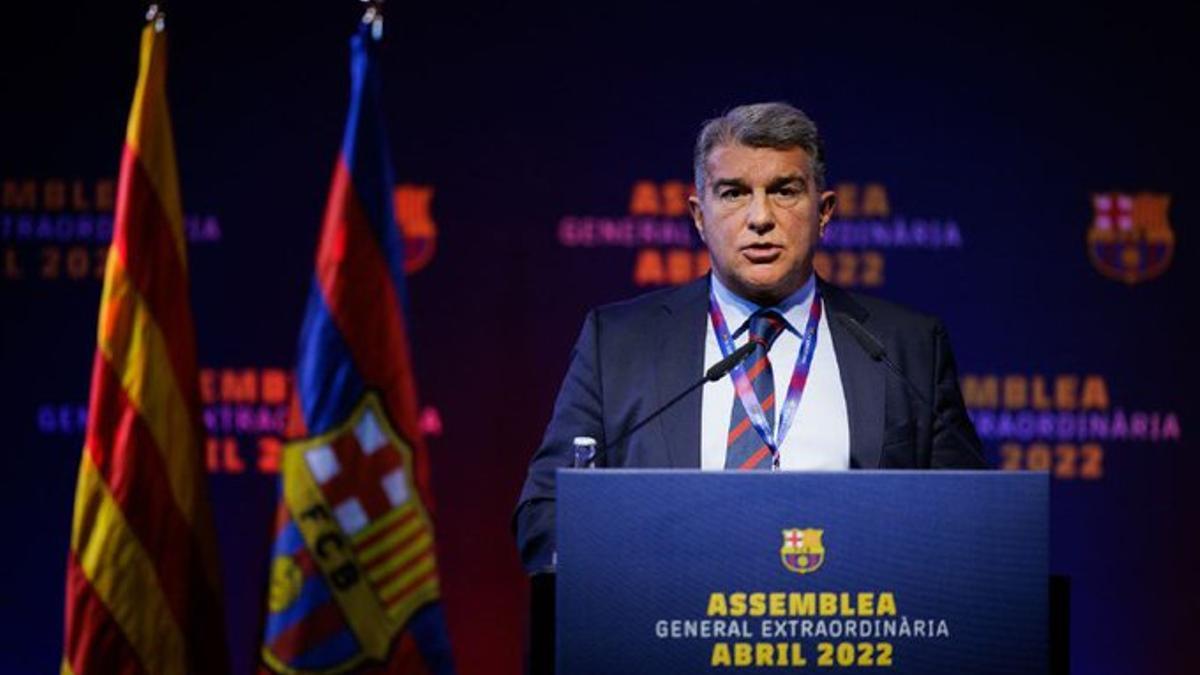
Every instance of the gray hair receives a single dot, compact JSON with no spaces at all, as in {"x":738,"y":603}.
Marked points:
{"x":760,"y":125}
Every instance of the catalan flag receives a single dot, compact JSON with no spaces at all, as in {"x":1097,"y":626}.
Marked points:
{"x":143,"y":594}
{"x":354,"y":581}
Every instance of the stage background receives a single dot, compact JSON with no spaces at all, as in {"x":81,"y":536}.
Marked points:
{"x":543,"y":156}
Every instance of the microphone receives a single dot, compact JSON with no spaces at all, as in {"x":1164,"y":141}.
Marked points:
{"x":719,"y":370}
{"x":870,"y":344}
{"x":875,"y":349}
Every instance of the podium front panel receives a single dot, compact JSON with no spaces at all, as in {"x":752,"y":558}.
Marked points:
{"x":892,"y":571}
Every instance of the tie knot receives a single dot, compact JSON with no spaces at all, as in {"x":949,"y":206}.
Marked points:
{"x":765,"y":326}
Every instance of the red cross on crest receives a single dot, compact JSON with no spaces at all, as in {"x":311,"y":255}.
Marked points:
{"x":361,"y":474}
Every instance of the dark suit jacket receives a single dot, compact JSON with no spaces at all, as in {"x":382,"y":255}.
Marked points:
{"x":633,"y":356}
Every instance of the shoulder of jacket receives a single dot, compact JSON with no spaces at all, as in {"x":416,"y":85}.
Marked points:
{"x":879,"y":310}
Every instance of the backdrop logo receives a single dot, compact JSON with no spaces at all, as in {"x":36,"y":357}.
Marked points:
{"x":58,"y":229}
{"x":1131,"y":239}
{"x":245,"y":413}
{"x":415,"y":220}
{"x":658,"y":228}
{"x":802,"y":551}
{"x":1060,"y":422}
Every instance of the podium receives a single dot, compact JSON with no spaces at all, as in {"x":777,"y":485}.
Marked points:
{"x":901,"y":571}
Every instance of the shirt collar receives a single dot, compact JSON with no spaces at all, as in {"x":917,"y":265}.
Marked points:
{"x":737,"y":310}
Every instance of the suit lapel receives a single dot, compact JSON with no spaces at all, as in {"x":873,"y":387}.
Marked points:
{"x":862,"y":380}
{"x":680,"y":362}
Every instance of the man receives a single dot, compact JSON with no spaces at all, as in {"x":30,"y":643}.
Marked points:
{"x":810,"y":397}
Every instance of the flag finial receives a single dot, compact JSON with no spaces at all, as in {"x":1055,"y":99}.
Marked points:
{"x":374,"y":16}
{"x":157,"y":17}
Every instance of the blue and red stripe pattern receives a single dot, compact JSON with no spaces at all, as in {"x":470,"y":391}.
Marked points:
{"x":354,"y":346}
{"x":747,"y":451}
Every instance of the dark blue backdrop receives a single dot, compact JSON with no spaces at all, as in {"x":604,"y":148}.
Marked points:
{"x":996,"y":126}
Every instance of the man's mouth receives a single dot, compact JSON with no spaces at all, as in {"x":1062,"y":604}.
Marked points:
{"x":761,"y":253}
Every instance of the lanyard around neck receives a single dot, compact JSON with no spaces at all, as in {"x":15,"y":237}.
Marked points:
{"x":745,"y":390}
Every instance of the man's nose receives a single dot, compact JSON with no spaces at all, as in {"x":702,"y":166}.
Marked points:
{"x":759,"y":217}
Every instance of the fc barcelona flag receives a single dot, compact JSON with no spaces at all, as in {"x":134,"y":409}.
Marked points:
{"x":143,"y":594}
{"x":354,"y":583}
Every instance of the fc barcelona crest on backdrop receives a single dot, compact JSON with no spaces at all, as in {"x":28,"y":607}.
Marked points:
{"x":1131,"y":239}
{"x":358,"y":558}
{"x":415,"y":220}
{"x":802,"y":551}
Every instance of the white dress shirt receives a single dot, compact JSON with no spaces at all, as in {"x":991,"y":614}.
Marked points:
{"x":819,"y":438}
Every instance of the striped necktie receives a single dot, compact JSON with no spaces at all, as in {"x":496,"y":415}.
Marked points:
{"x":745,"y":449}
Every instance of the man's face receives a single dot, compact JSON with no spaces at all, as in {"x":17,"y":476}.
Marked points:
{"x":761,"y":216}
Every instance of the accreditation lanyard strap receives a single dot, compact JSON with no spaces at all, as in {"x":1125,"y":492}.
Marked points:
{"x":745,"y":390}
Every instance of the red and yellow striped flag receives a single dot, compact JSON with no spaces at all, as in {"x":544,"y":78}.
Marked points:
{"x":143,"y":593}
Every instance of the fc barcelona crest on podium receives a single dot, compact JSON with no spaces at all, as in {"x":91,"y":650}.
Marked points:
{"x":802,"y":551}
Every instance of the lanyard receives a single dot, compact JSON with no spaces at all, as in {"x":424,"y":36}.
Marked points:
{"x":745,"y":390}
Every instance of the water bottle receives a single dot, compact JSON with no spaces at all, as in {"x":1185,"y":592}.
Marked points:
{"x":584,"y":456}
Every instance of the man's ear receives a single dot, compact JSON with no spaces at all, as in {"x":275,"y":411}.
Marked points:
{"x":827,"y":205}
{"x":697,"y":215}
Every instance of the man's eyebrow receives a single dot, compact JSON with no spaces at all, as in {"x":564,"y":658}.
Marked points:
{"x":728,"y":182}
{"x":789,"y":178}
